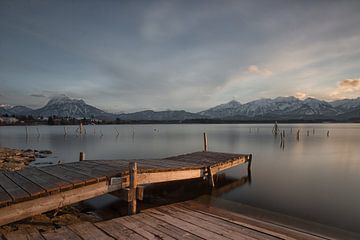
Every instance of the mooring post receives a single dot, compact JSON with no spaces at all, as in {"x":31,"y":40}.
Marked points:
{"x":133,"y":186}
{"x":82,"y":156}
{"x":205,"y":143}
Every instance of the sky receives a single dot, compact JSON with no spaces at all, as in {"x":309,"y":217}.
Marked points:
{"x":124,"y":56}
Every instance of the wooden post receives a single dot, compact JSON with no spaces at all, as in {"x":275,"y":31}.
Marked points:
{"x":205,"y":143}
{"x":249,"y":167}
{"x":210,"y":177}
{"x":82,"y":156}
{"x":133,"y":185}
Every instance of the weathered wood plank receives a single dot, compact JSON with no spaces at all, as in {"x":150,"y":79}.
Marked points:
{"x":220,"y":222}
{"x":69,"y":176}
{"x":166,"y":176}
{"x":199,"y":231}
{"x":24,"y":234}
{"x":48,"y":182}
{"x":4,"y":197}
{"x":261,"y":226}
{"x":89,"y":231}
{"x":211,"y":227}
{"x":61,"y":234}
{"x":16,"y":192}
{"x":118,"y":231}
{"x":36,"y":206}
{"x":88,"y":172}
{"x":141,"y":229}
{"x":165,"y":227}
{"x":33,"y":189}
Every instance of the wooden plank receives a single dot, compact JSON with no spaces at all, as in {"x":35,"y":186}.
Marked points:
{"x":196,"y":230}
{"x":33,"y":189}
{"x":141,"y":229}
{"x":24,"y":234}
{"x":226,"y":224}
{"x":205,"y":224}
{"x":48,"y":182}
{"x":36,"y":206}
{"x":261,"y":226}
{"x":165,"y":227}
{"x":89,"y":231}
{"x":69,"y":176}
{"x":16,"y":192}
{"x":87,"y":172}
{"x":4,"y":197}
{"x":61,"y":234}
{"x":118,"y":231}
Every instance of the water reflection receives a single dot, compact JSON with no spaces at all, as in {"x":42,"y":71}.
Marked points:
{"x":313,"y":177}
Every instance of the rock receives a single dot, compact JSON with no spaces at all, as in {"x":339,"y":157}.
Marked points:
{"x":45,"y":152}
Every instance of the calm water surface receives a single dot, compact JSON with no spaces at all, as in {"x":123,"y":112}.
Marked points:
{"x":316,"y":178}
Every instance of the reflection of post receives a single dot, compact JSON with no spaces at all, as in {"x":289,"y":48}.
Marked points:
{"x":133,"y":186}
{"x":298,"y":135}
{"x":205,"y":143}
{"x":249,"y":167}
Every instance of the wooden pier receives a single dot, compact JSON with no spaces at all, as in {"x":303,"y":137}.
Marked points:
{"x":187,"y":220}
{"x":36,"y":190}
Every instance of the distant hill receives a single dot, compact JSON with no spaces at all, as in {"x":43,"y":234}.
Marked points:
{"x":159,"y":116}
{"x":280,"y":108}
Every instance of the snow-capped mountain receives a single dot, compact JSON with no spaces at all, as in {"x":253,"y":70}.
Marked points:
{"x":280,"y":108}
{"x":226,"y":109}
{"x":14,"y":110}
{"x":67,"y":107}
{"x":346,"y":104}
{"x":277,"y":108}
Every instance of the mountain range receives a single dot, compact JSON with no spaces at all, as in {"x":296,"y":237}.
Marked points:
{"x":280,"y":108}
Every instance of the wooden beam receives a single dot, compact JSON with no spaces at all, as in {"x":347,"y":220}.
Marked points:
{"x":167,"y":176}
{"x":230,"y":164}
{"x":37,"y":206}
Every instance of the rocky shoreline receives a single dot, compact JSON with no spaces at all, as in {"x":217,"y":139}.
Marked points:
{"x":17,"y":159}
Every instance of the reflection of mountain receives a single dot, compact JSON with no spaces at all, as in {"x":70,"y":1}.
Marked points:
{"x":280,"y":108}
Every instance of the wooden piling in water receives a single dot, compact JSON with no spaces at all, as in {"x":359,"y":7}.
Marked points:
{"x":82,"y":156}
{"x":328,"y":133}
{"x":132,"y":187}
{"x":205,"y":142}
{"x":298,"y":134}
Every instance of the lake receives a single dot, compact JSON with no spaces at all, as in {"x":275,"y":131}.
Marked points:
{"x":314,"y":178}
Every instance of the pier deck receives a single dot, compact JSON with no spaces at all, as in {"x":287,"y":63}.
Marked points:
{"x":35,"y":190}
{"x":187,"y":220}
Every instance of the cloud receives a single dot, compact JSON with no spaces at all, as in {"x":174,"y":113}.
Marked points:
{"x":349,"y":84}
{"x":300,"y":95}
{"x":254,"y":69}
{"x":38,"y":95}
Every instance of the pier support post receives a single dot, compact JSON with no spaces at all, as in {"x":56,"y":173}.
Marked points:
{"x":82,"y":156}
{"x":210,"y":177}
{"x":205,"y":142}
{"x":249,"y":167}
{"x":133,"y":186}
